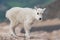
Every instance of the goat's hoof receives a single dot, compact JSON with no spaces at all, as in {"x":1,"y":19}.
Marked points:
{"x":27,"y":37}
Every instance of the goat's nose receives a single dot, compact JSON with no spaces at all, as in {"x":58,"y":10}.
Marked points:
{"x":39,"y":18}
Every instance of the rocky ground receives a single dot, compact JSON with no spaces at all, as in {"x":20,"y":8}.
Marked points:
{"x":45,"y":30}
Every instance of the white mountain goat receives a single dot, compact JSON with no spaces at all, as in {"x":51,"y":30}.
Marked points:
{"x":25,"y":16}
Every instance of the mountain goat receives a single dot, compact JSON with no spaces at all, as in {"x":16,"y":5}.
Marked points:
{"x":24,"y":16}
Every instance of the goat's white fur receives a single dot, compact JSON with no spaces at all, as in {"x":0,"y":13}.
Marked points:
{"x":23,"y":15}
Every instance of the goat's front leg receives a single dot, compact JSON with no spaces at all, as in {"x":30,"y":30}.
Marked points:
{"x":27,"y":30}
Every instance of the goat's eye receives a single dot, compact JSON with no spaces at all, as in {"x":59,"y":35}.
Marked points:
{"x":37,"y":13}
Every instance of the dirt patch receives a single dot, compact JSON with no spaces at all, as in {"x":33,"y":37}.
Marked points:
{"x":45,"y":30}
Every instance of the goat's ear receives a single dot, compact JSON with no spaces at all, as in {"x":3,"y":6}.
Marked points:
{"x":35,"y":7}
{"x":44,"y":9}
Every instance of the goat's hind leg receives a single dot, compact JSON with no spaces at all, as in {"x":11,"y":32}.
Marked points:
{"x":13,"y":24}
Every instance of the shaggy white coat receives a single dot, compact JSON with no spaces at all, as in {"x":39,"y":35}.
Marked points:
{"x":23,"y":15}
